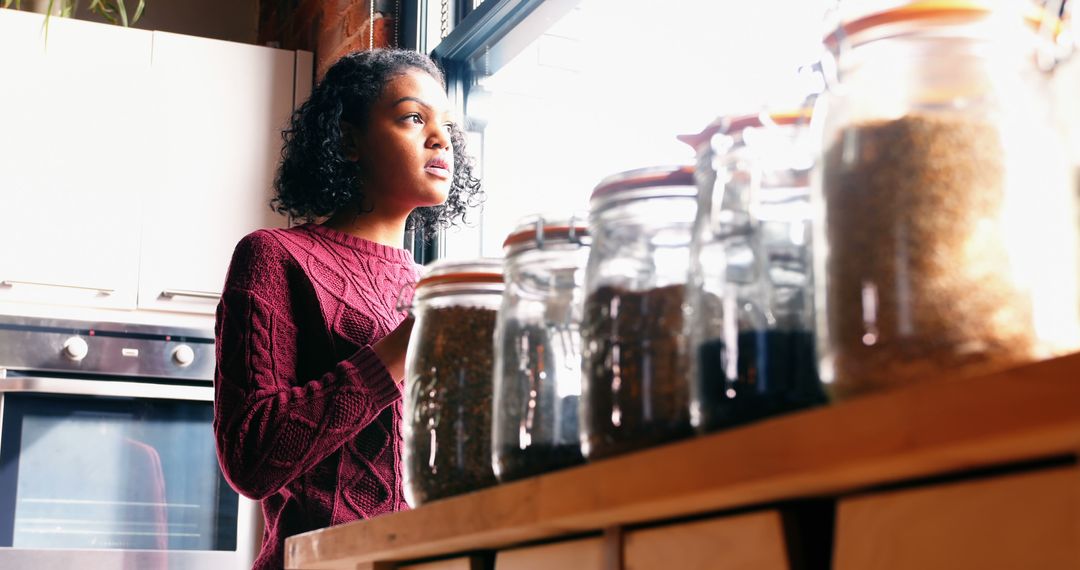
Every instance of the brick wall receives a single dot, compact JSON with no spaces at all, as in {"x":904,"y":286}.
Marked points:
{"x":330,"y":28}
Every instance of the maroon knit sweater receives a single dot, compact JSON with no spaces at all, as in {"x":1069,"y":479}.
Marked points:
{"x":306,"y":416}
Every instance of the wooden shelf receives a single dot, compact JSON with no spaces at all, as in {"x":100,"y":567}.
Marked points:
{"x":1022,"y":414}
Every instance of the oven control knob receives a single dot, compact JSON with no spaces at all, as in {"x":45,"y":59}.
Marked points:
{"x":183,"y":355}
{"x":75,"y":348}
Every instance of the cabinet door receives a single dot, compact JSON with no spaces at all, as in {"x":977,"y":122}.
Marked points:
{"x":221,"y":107}
{"x":743,"y":542}
{"x":584,"y":554}
{"x":1018,"y":521}
{"x":73,"y":160}
{"x":463,"y":563}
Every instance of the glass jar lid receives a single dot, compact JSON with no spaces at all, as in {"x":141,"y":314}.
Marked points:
{"x":736,"y":124}
{"x":539,"y":231}
{"x":480,"y":275}
{"x":897,"y":20}
{"x":672,"y":181}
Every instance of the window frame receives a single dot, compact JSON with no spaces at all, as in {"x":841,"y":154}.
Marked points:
{"x":474,"y":33}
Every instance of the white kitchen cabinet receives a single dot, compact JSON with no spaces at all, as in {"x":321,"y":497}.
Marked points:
{"x":131,"y":162}
{"x":220,"y":108}
{"x":74,"y":160}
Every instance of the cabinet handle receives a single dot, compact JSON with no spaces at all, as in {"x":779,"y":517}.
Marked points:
{"x":100,"y":290}
{"x":112,"y":388}
{"x":170,"y":293}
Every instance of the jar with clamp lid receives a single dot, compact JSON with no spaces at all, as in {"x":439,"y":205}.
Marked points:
{"x":447,"y":417}
{"x":636,"y":391}
{"x":538,"y":348}
{"x":750,"y":293}
{"x":948,"y":239}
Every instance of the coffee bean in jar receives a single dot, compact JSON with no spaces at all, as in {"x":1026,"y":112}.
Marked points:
{"x":638,"y":392}
{"x":448,"y":391}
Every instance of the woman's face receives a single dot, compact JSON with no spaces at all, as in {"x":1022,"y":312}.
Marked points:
{"x":405,"y":150}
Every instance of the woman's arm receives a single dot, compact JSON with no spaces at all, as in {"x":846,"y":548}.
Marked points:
{"x":270,"y":425}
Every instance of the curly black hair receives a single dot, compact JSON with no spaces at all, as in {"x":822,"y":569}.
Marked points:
{"x":315,"y":178}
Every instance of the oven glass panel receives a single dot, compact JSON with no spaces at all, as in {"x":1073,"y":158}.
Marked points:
{"x":79,"y":472}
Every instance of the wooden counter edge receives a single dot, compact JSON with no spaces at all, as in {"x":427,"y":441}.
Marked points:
{"x":1020,"y":414}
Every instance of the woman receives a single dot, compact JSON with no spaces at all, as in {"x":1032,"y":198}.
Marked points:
{"x":310,"y":345}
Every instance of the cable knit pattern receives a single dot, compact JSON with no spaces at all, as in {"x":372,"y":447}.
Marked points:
{"x":306,"y":416}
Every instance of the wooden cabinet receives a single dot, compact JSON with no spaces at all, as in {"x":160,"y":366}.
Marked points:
{"x":1029,"y":520}
{"x":220,"y":108}
{"x":73,"y":160}
{"x":746,"y":542}
{"x":462,"y":563}
{"x":583,"y":554}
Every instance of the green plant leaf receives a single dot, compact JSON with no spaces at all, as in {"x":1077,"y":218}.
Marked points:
{"x":105,"y":10}
{"x":48,"y":14}
{"x":123,"y":12}
{"x":138,"y":11}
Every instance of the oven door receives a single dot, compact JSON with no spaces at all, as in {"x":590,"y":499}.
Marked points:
{"x":115,"y":473}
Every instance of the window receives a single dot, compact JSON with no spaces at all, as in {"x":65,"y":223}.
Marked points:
{"x":560,"y":93}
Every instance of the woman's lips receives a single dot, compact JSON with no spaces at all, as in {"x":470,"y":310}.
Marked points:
{"x":438,"y":167}
{"x":437,"y":171}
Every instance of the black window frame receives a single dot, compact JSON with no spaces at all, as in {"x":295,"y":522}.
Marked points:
{"x":474,"y":31}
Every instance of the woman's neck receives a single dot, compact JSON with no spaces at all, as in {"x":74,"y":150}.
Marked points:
{"x":383,"y":230}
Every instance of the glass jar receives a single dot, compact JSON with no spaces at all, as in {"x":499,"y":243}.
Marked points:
{"x":1066,"y":89}
{"x":636,"y":391}
{"x":447,"y":420}
{"x":948,"y":234}
{"x":538,"y":348}
{"x":750,"y":287}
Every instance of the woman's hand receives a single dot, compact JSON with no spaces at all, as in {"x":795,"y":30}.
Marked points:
{"x":391,"y":349}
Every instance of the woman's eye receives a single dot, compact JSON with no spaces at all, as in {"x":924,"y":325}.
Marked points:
{"x":414,"y":118}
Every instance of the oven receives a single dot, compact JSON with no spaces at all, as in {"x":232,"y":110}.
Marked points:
{"x":107,"y":456}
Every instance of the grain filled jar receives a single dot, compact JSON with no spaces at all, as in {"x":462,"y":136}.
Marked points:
{"x":948,"y":236}
{"x":538,"y":348}
{"x":751,"y":288}
{"x":1066,"y":89}
{"x":636,"y":391}
{"x":448,"y":389}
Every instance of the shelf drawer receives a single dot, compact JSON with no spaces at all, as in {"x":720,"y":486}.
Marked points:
{"x":584,"y":554}
{"x":752,"y":542}
{"x":462,"y":563}
{"x":1030,"y":520}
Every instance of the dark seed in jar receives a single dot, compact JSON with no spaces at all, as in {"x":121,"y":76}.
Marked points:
{"x":636,"y":388}
{"x":776,"y":372}
{"x":538,"y":425}
{"x":450,"y":444}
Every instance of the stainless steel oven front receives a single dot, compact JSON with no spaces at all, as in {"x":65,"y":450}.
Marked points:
{"x":107,"y":456}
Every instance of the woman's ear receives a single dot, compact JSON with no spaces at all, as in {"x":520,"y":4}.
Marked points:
{"x":350,"y":141}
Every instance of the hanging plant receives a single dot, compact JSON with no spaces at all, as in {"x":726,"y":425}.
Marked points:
{"x":114,"y":11}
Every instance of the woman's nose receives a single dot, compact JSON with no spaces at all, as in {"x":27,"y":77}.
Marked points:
{"x":440,"y":138}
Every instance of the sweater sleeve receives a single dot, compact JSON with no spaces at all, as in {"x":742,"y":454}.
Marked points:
{"x":270,"y":425}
